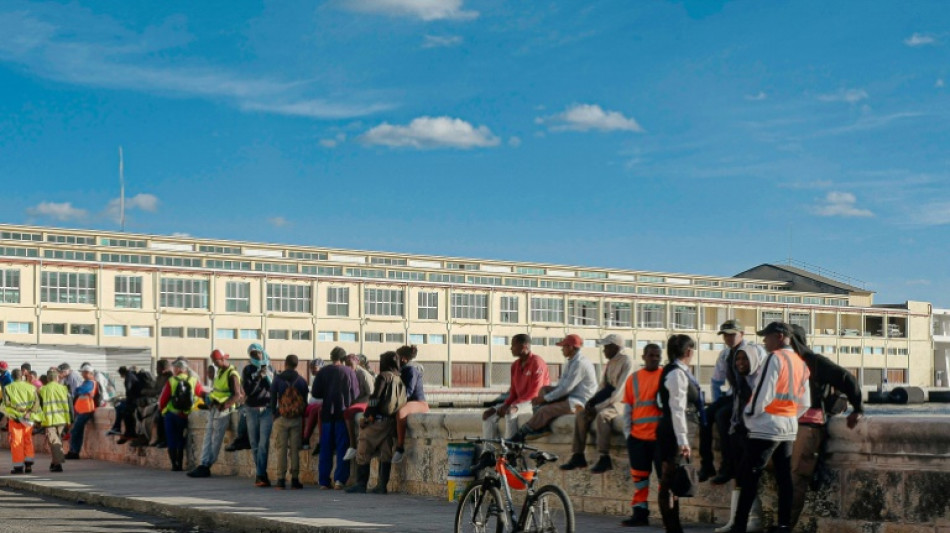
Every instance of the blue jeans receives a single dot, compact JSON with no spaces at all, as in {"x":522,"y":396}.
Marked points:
{"x":214,"y":436}
{"x":77,"y":432}
{"x":175,"y":426}
{"x":260,"y":421}
{"x":333,"y":440}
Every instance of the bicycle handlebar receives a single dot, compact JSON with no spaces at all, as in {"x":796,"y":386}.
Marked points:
{"x":506,"y":443}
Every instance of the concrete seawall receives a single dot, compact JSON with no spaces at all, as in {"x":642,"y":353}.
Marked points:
{"x":889,"y":474}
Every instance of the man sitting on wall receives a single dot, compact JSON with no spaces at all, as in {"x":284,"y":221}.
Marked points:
{"x":577,"y":384}
{"x":529,"y":373}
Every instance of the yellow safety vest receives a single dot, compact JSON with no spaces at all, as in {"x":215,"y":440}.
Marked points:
{"x":173,"y":386}
{"x":55,"y":398}
{"x":19,"y":398}
{"x":221,"y":389}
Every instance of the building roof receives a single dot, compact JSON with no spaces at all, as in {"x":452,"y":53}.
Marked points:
{"x":762,"y":271}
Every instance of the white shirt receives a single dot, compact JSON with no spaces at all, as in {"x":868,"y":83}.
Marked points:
{"x":677,"y":384}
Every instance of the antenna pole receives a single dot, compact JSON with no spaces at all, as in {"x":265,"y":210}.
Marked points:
{"x":121,"y":192}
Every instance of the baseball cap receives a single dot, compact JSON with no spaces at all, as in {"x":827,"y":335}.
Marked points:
{"x":218,"y":355}
{"x":4,"y":365}
{"x":776,"y":327}
{"x":613,"y":338}
{"x":572,"y":340}
{"x":87,"y":368}
{"x":731,"y":326}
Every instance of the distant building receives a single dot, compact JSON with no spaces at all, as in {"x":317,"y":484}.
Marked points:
{"x":184,"y":296}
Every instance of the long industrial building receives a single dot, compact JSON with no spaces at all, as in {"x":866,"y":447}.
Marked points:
{"x":184,"y":296}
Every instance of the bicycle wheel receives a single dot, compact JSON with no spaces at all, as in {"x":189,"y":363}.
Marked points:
{"x":551,"y":511}
{"x":480,"y":510}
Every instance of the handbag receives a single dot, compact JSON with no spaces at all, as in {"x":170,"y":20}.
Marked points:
{"x":685,"y":480}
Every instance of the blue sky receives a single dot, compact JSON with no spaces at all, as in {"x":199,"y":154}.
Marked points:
{"x":702,"y":137}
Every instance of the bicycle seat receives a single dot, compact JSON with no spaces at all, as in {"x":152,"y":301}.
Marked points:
{"x":543,"y":457}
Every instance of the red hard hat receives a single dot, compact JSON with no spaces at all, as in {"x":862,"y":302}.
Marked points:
{"x":218,"y":354}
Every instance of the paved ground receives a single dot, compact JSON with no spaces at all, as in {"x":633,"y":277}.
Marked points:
{"x":22,"y":512}
{"x":234,"y":504}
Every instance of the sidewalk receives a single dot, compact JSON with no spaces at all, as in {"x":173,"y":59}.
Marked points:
{"x":234,"y":504}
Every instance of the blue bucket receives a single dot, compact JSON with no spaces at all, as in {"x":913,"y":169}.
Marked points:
{"x":461,"y":457}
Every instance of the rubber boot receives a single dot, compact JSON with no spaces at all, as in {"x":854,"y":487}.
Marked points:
{"x":362,"y":478}
{"x":732,"y":514}
{"x":384,"y":470}
{"x":755,"y":517}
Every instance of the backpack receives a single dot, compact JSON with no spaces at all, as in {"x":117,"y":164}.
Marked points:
{"x":290,"y":404}
{"x":145,"y":379}
{"x":392,"y":395}
{"x":184,"y":398}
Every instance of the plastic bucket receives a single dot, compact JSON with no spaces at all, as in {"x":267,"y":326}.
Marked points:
{"x":456,"y":486}
{"x":460,"y":458}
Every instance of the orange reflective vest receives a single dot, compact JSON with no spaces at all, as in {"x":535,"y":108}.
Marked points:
{"x":790,"y":387}
{"x":640,"y":392}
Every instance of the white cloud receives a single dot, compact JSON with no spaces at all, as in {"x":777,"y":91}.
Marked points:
{"x":759,"y":96}
{"x":841,"y":204}
{"x":426,"y":10}
{"x":920,"y":39}
{"x":432,"y":132}
{"x":278,"y":222}
{"x":142,"y":201}
{"x":851,"y":96}
{"x":58,"y":211}
{"x":334,"y":142}
{"x":939,"y":83}
{"x":931,"y":214}
{"x":70,"y":44}
{"x":441,"y":41}
{"x":586,"y":117}
{"x":514,"y":142}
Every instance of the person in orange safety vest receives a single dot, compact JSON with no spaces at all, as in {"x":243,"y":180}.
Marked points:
{"x":641,"y":416}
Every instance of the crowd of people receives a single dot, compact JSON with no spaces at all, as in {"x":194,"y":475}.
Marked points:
{"x":771,"y":402}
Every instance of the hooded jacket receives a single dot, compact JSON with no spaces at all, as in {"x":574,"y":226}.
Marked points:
{"x":257,"y":384}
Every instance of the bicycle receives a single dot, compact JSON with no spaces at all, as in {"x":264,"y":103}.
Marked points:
{"x":483,"y":509}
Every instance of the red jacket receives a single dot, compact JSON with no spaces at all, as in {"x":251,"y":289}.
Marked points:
{"x":527,"y":379}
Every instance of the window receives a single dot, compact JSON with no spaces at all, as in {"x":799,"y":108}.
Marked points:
{"x":177,"y":332}
{"x":288,"y":298}
{"x":417,"y":338}
{"x":338,"y":301}
{"x":301,"y":335}
{"x":684,"y":317}
{"x":68,"y":287}
{"x":326,"y":336}
{"x":228,"y":265}
{"x":641,"y":289}
{"x":470,"y":306}
{"x":140,"y":331}
{"x":651,"y":316}
{"x":373,"y":337}
{"x":10,"y":286}
{"x":446,"y":278}
{"x":249,"y":334}
{"x":82,"y":329}
{"x":461,"y":266}
{"x":550,"y":284}
{"x":122,"y":243}
{"x":278,"y":334}
{"x":614,"y":287}
{"x":219,"y":249}
{"x":128,"y":292}
{"x":395,"y":337}
{"x":801,"y":319}
{"x":771,"y":316}
{"x":365,"y":273}
{"x":539,"y":341}
{"x":530,"y":270}
{"x":499,"y":341}
{"x":310,"y":256}
{"x":509,"y":309}
{"x":183,"y":293}
{"x":459,"y":339}
{"x":349,"y":336}
{"x":478,"y":339}
{"x":391,"y":261}
{"x":70,"y":255}
{"x":12,"y":251}
{"x":225,"y":333}
{"x":276,"y":267}
{"x":406,"y":275}
{"x":583,"y":312}
{"x":588,"y":286}
{"x":55,"y":329}
{"x":682,"y":292}
{"x":133,"y":259}
{"x":483,"y":280}
{"x":547,"y":310}
{"x":198,"y":333}
{"x":618,"y":315}
{"x":428,"y":306}
{"x":17,"y":236}
{"x":19,"y":327}
{"x":383,"y":302}
{"x":162,"y":260}
{"x":322,"y":271}
{"x":112,"y":330}
{"x":519,"y":282}
{"x":237,"y":297}
{"x":70,"y":239}
{"x":436,"y":339}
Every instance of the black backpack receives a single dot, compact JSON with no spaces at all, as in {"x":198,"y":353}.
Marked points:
{"x":184,"y":397}
{"x":145,"y":379}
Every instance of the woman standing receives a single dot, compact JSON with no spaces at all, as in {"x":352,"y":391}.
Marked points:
{"x":678,"y":388}
{"x":416,"y":396}
{"x":176,"y":406}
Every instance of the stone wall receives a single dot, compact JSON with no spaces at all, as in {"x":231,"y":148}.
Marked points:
{"x":890,"y":474}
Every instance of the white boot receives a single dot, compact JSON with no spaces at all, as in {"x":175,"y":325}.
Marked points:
{"x":732,"y":513}
{"x":755,"y":517}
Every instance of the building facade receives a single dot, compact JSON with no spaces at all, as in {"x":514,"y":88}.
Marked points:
{"x":182,"y":296}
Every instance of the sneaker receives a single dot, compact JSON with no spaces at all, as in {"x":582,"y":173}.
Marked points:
{"x":17,"y":470}
{"x":28,"y":468}
{"x":295,"y":484}
{"x":72,"y":456}
{"x":350,"y":454}
{"x":338,"y":485}
{"x":55,"y":468}
{"x":603,"y":464}
{"x":577,"y":461}
{"x":399,"y":456}
{"x":112,"y":432}
{"x":200,"y":471}
{"x":281,"y":484}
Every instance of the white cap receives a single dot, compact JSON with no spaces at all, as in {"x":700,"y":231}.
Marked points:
{"x":613,"y":338}
{"x":87,"y":368}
